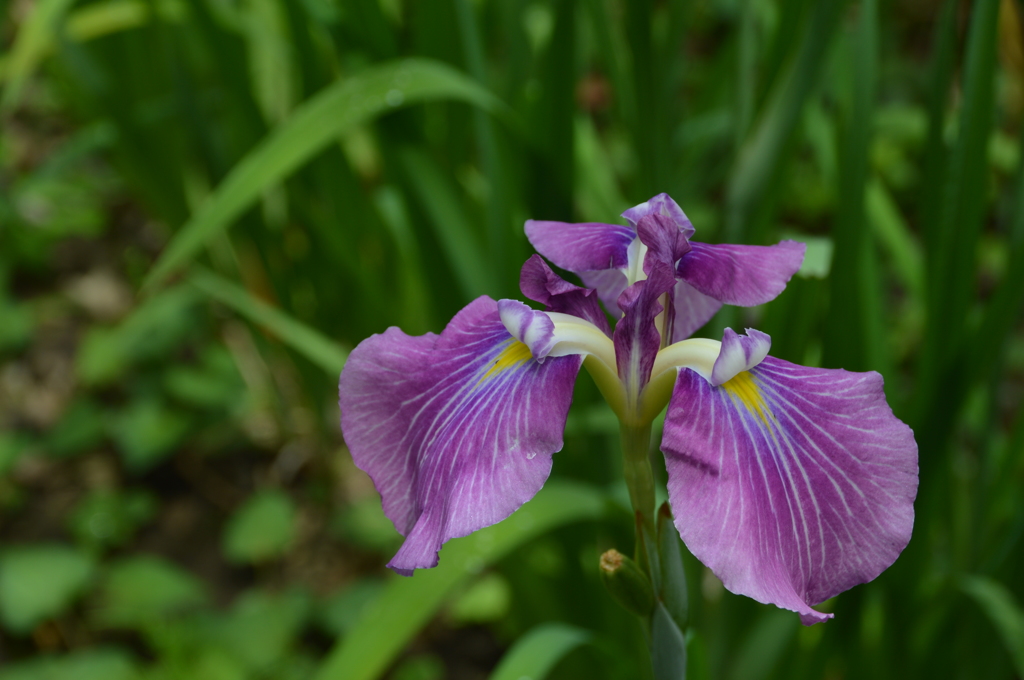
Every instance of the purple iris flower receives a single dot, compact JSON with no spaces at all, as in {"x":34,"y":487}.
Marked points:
{"x":607,"y":257}
{"x":791,"y":483}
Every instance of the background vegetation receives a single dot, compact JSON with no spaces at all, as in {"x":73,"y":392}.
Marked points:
{"x":206,"y":202}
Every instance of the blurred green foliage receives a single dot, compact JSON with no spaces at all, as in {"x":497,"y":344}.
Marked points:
{"x":205,"y":203}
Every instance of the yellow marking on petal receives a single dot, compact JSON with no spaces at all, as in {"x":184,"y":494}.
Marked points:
{"x":515,"y":353}
{"x":743,"y":388}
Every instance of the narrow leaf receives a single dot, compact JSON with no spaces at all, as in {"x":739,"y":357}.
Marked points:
{"x":760,"y":155}
{"x":312,"y":126}
{"x":314,"y":346}
{"x":440,"y":200}
{"x":409,"y":603}
{"x":853,"y":336}
{"x":536,"y":653}
{"x":1004,"y":613}
{"x":33,"y":40}
{"x":760,"y":653}
{"x":668,"y":646}
{"x":895,"y":238}
{"x":952,"y":265}
{"x":88,"y":23}
{"x":673,"y":578}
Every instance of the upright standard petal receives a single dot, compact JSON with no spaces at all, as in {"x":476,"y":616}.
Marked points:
{"x":792,"y":484}
{"x":581,"y":246}
{"x":637,"y":335}
{"x":741,"y":275}
{"x":664,"y":241}
{"x":456,"y":430}
{"x":663,"y":205}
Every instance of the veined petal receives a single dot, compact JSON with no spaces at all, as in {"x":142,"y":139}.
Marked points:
{"x":691,"y":310}
{"x":739,"y":353}
{"x":662,"y":204}
{"x":792,"y":484}
{"x":582,"y":246}
{"x":455,"y":430}
{"x":609,"y":284}
{"x":542,"y":285}
{"x":741,"y":275}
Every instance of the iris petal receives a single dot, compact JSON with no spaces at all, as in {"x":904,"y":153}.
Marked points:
{"x":456,"y":430}
{"x":691,"y":309}
{"x":581,"y":246}
{"x":542,"y":285}
{"x":663,"y":205}
{"x":609,"y":284}
{"x":741,"y":275}
{"x":739,"y":353}
{"x":792,"y":484}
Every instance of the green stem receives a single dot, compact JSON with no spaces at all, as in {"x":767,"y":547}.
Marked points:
{"x":636,"y":443}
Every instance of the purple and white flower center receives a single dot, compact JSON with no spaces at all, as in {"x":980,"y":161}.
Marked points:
{"x":553,"y":334}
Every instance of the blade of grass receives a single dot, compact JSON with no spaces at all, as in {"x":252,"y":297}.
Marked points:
{"x":440,"y":200}
{"x":935,"y":155}
{"x":320,"y":350}
{"x":764,"y":646}
{"x":597,"y":192}
{"x":1003,"y":312}
{"x":759,"y":158}
{"x":637,"y":24}
{"x":616,"y":57}
{"x":747,"y":71}
{"x":1006,"y":616}
{"x":409,"y":603}
{"x":415,"y":290}
{"x":535,"y":654}
{"x":33,"y":40}
{"x":551,"y":172}
{"x":98,"y":20}
{"x":967,"y":182}
{"x":487,"y":145}
{"x":853,"y":337}
{"x":951,"y":272}
{"x":894,"y":236}
{"x":311,"y":127}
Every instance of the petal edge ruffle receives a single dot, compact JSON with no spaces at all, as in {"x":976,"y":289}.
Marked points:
{"x":792,"y":484}
{"x":456,"y":430}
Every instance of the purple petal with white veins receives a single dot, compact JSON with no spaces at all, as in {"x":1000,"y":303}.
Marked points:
{"x":456,"y":430}
{"x":662,"y":204}
{"x":692,"y":309}
{"x":739,"y":353}
{"x":542,"y":285}
{"x":609,"y":285}
{"x":741,"y":275}
{"x":792,"y":484}
{"x":581,"y":246}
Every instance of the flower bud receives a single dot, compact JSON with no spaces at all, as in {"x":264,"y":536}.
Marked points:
{"x":627,"y":583}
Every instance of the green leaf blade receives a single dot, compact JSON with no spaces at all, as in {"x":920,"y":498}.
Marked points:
{"x":320,"y":350}
{"x":408,"y":603}
{"x":315,"y":124}
{"x":535,"y":654}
